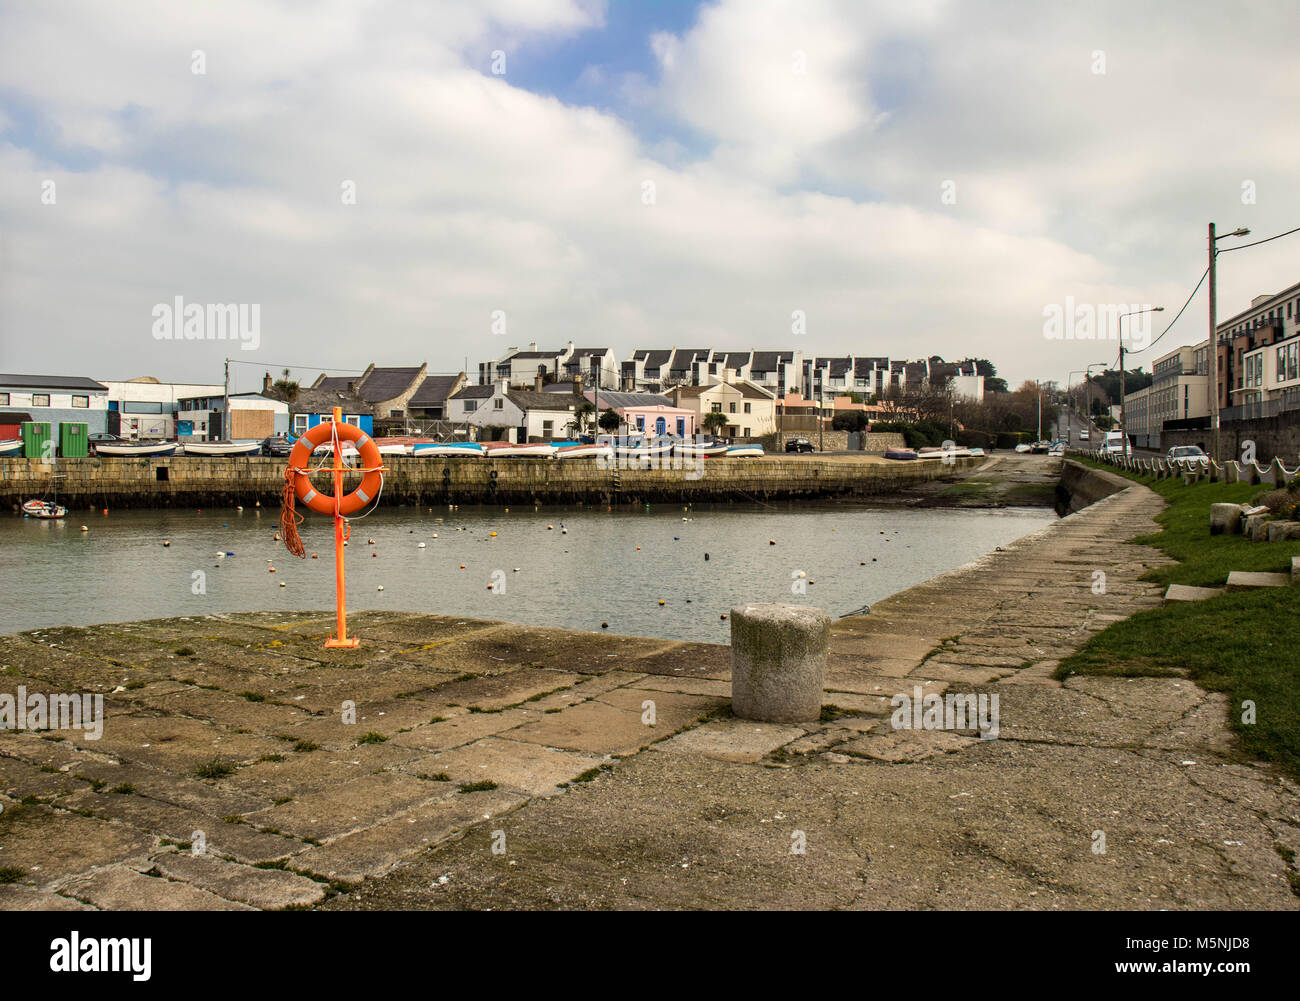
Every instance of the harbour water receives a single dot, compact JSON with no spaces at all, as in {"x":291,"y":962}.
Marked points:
{"x":570,"y":567}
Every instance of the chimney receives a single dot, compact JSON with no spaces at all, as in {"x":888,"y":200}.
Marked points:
{"x":537,"y":382}
{"x":532,"y":346}
{"x":577,"y":385}
{"x":504,"y":383}
{"x":266,"y":382}
{"x":352,"y":386}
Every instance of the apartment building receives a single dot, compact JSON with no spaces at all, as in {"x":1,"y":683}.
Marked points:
{"x":1248,"y":383}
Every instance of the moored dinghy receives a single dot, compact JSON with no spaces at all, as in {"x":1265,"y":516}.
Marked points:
{"x":745,"y":452}
{"x":448,"y":449}
{"x":11,"y":448}
{"x":136,"y":448}
{"x":44,"y":509}
{"x":221,"y":447}
{"x":509,"y":450}
{"x":583,"y":451}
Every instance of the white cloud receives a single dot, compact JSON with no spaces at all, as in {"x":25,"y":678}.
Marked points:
{"x":474,"y":195}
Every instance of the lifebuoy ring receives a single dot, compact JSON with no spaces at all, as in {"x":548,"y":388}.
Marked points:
{"x":371,"y":461}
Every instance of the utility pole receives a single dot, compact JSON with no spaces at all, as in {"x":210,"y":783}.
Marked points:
{"x":1214,"y":338}
{"x":225,"y":414}
{"x":1123,"y":413}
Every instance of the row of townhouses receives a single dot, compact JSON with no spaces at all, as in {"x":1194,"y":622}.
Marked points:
{"x":1258,"y":373}
{"x":523,"y":395}
{"x":655,"y":370}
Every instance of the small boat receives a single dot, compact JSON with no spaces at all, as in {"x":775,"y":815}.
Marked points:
{"x":137,"y":448}
{"x":400,"y":444}
{"x":581,"y":451}
{"x":222,"y":447}
{"x":900,"y":453}
{"x":703,"y":449}
{"x":745,"y":452}
{"x":447,"y":449}
{"x":396,"y":449}
{"x":44,"y":509}
{"x":642,"y":448}
{"x":11,"y":448}
{"x":509,"y":450}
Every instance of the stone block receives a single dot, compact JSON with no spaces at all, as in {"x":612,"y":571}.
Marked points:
{"x":1185,"y":592}
{"x":778,"y":662}
{"x":1240,"y":580}
{"x":1281,"y":531}
{"x":1225,"y":518}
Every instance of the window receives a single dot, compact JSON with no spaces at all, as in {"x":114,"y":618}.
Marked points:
{"x":716,"y":408}
{"x":640,"y":423}
{"x":299,"y":423}
{"x":81,"y":401}
{"x":471,"y":406}
{"x":746,"y":408}
{"x":40,"y":399}
{"x":498,"y":404}
{"x":731,"y":407}
{"x":745,"y":432}
{"x":397,"y":413}
{"x":4,"y":399}
{"x":546,"y":428}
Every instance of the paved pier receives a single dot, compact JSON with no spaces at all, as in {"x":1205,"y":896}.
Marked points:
{"x":494,"y":765}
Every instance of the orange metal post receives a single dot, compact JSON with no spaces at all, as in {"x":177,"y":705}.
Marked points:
{"x":342,"y":639}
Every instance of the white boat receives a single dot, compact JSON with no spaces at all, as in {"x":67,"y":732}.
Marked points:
{"x":705,"y":449}
{"x":221,"y":447}
{"x":448,"y":449}
{"x":11,"y":448}
{"x":745,"y":452}
{"x":507,"y":450}
{"x":44,"y":509}
{"x":642,"y":449}
{"x":396,"y":449}
{"x":581,"y":451}
{"x":136,"y":448}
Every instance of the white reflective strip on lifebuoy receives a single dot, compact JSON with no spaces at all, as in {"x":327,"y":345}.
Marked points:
{"x":365,"y":497}
{"x":309,"y":495}
{"x":362,"y":440}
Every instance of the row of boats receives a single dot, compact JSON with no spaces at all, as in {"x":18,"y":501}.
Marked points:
{"x":633,"y":448}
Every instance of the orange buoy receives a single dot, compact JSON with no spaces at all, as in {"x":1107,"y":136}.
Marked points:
{"x":371,"y":462}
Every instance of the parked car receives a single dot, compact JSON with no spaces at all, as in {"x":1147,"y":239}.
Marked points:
{"x":799,"y":445}
{"x":99,"y":436}
{"x":1022,"y":448}
{"x":1188,"y":455}
{"x":1040,"y":447}
{"x":1083,"y":435}
{"x":975,"y":452}
{"x":277,"y":445}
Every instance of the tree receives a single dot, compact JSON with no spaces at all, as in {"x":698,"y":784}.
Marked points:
{"x":584,"y":412}
{"x":714,"y":422}
{"x":288,"y":387}
{"x":849,"y":420}
{"x":609,"y":421}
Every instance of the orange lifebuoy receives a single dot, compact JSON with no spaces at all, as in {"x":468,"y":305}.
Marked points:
{"x":323,"y":503}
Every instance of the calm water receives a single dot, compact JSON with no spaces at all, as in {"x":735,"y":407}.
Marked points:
{"x":55,"y":574}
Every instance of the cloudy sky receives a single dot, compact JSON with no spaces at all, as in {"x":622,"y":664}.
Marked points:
{"x":384,"y":178}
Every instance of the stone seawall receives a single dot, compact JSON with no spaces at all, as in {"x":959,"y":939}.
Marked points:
{"x":1081,"y":486}
{"x":194,"y":481}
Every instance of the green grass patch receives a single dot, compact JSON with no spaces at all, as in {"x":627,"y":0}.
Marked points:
{"x":485,"y":786}
{"x":303,"y":746}
{"x":214,"y":769}
{"x":371,"y":737}
{"x":123,"y":789}
{"x":10,"y":874}
{"x":1204,"y":560}
{"x":1238,"y":643}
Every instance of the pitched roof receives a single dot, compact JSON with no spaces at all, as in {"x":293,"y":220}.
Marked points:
{"x":52,"y":382}
{"x":530,"y":399}
{"x":434,"y":390}
{"x":386,"y":383}
{"x":752,"y":392}
{"x":474,"y":393}
{"x":768,"y":361}
{"x":322,"y":401}
{"x":657,"y":359}
{"x":617,"y":400}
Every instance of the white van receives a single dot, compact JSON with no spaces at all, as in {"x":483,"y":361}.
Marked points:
{"x":1114,"y":444}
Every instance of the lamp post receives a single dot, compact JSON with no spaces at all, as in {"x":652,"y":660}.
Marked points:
{"x":1214,"y":338}
{"x":1123,"y":422}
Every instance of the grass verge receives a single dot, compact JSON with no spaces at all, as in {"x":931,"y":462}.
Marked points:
{"x":1238,"y":643}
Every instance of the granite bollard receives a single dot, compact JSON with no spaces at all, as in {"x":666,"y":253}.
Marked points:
{"x":778,"y":662}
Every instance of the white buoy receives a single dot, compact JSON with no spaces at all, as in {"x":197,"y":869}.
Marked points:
{"x":420,"y":546}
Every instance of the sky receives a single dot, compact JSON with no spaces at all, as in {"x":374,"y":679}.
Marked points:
{"x":407,"y":182}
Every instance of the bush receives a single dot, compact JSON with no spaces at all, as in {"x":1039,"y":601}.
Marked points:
{"x":849,"y":420}
{"x":974,"y":439}
{"x":1007,"y":439}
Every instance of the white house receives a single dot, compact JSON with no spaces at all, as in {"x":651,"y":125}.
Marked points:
{"x":56,"y":398}
{"x":503,"y":414}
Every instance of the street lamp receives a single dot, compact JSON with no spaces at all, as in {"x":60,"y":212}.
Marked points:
{"x":1087,"y":374}
{"x":1214,"y":339}
{"x":1123,"y":421}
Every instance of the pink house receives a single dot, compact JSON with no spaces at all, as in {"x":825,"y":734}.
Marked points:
{"x":646,"y":412}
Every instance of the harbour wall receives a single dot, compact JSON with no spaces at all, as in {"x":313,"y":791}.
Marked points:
{"x":196,"y":481}
{"x":1081,"y":486}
